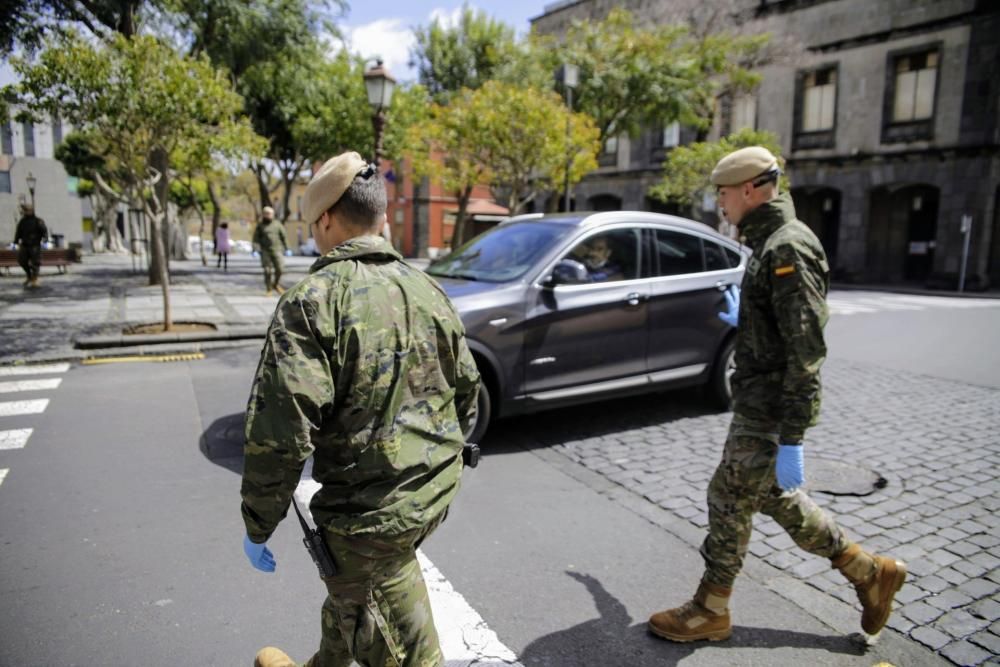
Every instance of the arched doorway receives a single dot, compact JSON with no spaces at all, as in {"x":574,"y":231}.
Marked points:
{"x":819,"y":208}
{"x":605,"y":203}
{"x":902,"y":233}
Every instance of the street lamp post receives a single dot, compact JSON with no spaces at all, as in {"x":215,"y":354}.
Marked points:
{"x":379,"y":84}
{"x":569,"y":75}
{"x":32,"y":181}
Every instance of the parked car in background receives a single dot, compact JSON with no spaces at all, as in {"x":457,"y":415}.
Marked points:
{"x":570,"y":308}
{"x":309,"y":248}
{"x":243,"y":247}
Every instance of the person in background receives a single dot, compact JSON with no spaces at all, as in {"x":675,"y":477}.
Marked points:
{"x":223,"y":246}
{"x":269,"y":237}
{"x":31,"y":231}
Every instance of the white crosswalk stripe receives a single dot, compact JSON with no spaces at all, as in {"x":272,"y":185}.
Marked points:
{"x":3,"y":474}
{"x":850,"y":303}
{"x":29,"y":385}
{"x":40,"y":369}
{"x":465,"y":638}
{"x":14,"y":408}
{"x":15,"y":439}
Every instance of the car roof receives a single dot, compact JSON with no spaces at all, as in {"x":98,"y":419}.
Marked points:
{"x":591,"y":219}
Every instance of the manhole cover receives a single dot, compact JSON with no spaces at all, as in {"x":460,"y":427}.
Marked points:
{"x":841,"y":479}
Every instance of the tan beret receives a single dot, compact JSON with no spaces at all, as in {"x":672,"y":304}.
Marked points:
{"x":330,"y":183}
{"x":267,"y":212}
{"x":743,"y":165}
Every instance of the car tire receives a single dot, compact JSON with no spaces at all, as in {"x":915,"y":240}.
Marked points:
{"x":720,"y":385}
{"x":484,"y":412}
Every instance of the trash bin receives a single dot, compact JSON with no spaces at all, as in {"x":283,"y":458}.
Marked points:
{"x":57,"y":240}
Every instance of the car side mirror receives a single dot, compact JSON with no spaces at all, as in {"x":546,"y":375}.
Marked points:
{"x":568,"y":272}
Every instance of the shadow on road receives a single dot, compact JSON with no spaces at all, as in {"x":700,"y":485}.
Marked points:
{"x":595,"y":420}
{"x":222,"y":442}
{"x":613,"y":639}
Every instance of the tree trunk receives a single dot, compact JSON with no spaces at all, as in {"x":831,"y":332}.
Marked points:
{"x":160,"y":262}
{"x":159,"y":230}
{"x":216,"y":209}
{"x":262,"y":187}
{"x":458,"y":236}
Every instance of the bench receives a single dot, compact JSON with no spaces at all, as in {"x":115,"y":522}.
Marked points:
{"x":60,"y":258}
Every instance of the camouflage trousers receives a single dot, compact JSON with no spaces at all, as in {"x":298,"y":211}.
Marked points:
{"x":377,"y":610}
{"x":271,"y":261}
{"x":30,"y":259}
{"x":744,"y":484}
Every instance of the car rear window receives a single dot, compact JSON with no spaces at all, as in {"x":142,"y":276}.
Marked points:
{"x":678,"y":253}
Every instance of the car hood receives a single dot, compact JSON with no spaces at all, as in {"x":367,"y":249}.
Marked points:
{"x":471,"y":295}
{"x":457,"y":288}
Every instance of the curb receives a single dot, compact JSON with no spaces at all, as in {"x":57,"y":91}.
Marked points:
{"x":136,"y":340}
{"x":133,"y":350}
{"x":915,"y":291}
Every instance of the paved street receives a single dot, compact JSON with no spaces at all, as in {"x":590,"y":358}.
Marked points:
{"x":579,"y":523}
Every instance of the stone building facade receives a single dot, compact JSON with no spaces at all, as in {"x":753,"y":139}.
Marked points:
{"x":890,"y":124}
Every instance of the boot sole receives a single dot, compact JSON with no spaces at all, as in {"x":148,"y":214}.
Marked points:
{"x":716,"y":636}
{"x":897,"y":583}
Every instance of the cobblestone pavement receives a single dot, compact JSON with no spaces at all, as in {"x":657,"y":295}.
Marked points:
{"x":935,"y":442}
{"x":103,"y":294}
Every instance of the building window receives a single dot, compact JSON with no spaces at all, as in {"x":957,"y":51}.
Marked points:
{"x":448,"y":226}
{"x":671,"y":135}
{"x":815,"y":108}
{"x":29,"y":138}
{"x":7,"y":138}
{"x":743,"y":114}
{"x":298,"y":207}
{"x":5,"y":181}
{"x":911,"y":91}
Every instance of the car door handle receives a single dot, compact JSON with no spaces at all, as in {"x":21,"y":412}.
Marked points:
{"x":721,"y":285}
{"x":634,"y":298}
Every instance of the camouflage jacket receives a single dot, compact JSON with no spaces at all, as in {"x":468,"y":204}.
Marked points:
{"x":270,"y":236}
{"x":31,"y":231}
{"x":779,"y":342}
{"x":365,"y":368}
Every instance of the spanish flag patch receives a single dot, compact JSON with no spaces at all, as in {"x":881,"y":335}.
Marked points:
{"x":784,"y":270}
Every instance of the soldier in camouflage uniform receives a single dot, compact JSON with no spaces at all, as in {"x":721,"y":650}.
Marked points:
{"x":776,"y":397}
{"x":366,"y":369}
{"x":269,"y":236}
{"x":30,"y":233}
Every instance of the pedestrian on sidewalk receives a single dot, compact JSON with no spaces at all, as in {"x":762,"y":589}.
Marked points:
{"x":223,"y":246}
{"x":269,"y":237}
{"x":366,"y":369}
{"x":30,"y":233}
{"x":779,"y":322}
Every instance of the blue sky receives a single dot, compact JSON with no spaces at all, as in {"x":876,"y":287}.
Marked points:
{"x":384,"y":27}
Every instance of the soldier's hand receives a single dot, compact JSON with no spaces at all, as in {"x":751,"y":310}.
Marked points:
{"x":790,"y":467}
{"x":260,"y":556}
{"x":732,"y":314}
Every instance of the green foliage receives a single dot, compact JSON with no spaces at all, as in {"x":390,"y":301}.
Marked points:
{"x":687,"y":169}
{"x":467,"y":55}
{"x":410,"y":106}
{"x":132,"y":97}
{"x":473,"y":140}
{"x":332,"y":114}
{"x":78,"y":157}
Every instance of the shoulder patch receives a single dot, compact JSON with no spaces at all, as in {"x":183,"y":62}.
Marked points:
{"x":784,"y":270}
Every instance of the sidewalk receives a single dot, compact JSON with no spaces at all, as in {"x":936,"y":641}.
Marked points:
{"x":102,"y":295}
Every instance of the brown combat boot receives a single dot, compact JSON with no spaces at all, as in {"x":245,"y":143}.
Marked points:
{"x":876,"y":580}
{"x":273,"y":657}
{"x":704,"y":617}
{"x":279,"y":289}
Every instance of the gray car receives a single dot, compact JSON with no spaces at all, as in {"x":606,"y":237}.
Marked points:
{"x":569,"y":308}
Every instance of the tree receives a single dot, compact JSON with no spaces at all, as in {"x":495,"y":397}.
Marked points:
{"x":467,"y":55}
{"x":687,"y":169}
{"x":532,"y":154}
{"x":27,"y":23}
{"x":139,"y":102}
{"x":473,"y":140}
{"x":78,"y":157}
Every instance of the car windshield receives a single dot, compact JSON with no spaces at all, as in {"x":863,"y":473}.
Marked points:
{"x":504,"y":253}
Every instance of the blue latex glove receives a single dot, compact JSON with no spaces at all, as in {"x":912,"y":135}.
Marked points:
{"x":790,"y":468}
{"x":732,"y":314}
{"x":260,"y":556}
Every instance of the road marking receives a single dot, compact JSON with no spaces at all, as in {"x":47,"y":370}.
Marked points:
{"x":191,"y":356}
{"x":41,"y":369}
{"x":14,"y":408}
{"x":15,"y":439}
{"x":29,"y":385}
{"x":3,"y":474}
{"x":465,"y":638}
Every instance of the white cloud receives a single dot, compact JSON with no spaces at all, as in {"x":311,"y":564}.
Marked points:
{"x":388,"y":39}
{"x":447,"y":18}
